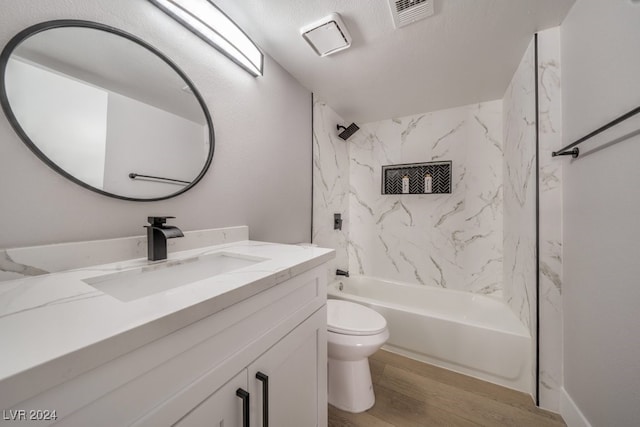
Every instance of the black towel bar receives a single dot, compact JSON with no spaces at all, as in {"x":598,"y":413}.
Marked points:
{"x":134,"y":175}
{"x":575,"y":152}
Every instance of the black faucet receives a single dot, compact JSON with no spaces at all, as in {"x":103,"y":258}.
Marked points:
{"x":342,"y":273}
{"x":157,"y":235}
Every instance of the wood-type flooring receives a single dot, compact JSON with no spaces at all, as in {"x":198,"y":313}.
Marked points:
{"x":411,"y":394}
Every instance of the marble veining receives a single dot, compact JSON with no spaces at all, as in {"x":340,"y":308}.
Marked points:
{"x":8,"y":266}
{"x":355,"y":256}
{"x":53,"y":318}
{"x":520,"y":191}
{"x":459,"y":207}
{"x":497,"y":144}
{"x":519,"y":214}
{"x":18,"y":263}
{"x":331,"y":185}
{"x":451,"y":132}
{"x":355,"y":197}
{"x":519,"y":122}
{"x":66,"y":300}
{"x":447,"y":240}
{"x":491,"y":202}
{"x":413,"y":123}
{"x":550,"y":304}
{"x":398,"y":205}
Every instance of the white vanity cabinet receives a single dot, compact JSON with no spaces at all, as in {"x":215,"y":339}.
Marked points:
{"x":222,"y":408}
{"x":296,"y":377}
{"x":288,"y":392}
{"x":190,"y":377}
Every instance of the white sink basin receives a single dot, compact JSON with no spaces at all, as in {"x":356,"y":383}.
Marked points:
{"x":143,"y":281}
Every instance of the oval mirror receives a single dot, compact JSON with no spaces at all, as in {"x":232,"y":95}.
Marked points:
{"x":106,"y":110}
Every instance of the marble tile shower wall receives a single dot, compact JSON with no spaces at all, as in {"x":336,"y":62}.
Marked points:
{"x":449,"y":240}
{"x":519,"y":206}
{"x":519,"y":123}
{"x":550,"y":114}
{"x":481,"y":238}
{"x":330,"y":185}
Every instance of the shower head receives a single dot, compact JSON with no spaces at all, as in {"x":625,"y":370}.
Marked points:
{"x":347,"y":131}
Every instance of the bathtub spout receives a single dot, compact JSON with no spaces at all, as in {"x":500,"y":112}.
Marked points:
{"x":342,"y":273}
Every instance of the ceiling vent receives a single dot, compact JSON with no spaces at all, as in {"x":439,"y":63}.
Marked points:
{"x":328,"y":35}
{"x":406,"y":12}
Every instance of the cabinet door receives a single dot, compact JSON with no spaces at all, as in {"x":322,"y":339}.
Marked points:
{"x":295,"y":369}
{"x":224,"y":408}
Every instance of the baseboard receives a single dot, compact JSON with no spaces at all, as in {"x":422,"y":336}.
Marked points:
{"x":570,"y":411}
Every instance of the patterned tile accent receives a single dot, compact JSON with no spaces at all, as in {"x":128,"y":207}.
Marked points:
{"x":440,"y":173}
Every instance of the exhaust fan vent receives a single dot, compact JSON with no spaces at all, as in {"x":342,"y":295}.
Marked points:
{"x":327,"y":36}
{"x":406,"y":12}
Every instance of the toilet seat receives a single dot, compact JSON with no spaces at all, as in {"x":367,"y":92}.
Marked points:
{"x":348,"y":318}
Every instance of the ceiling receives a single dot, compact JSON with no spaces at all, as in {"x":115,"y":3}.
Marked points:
{"x":466,"y":52}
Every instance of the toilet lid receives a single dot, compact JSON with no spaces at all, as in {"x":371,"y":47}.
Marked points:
{"x":345,"y":317}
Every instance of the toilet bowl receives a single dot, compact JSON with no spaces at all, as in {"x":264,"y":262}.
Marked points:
{"x":354,"y":332}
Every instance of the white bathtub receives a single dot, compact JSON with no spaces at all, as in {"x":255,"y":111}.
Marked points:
{"x":468,"y":333}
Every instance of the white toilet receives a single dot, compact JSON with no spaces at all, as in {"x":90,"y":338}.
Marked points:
{"x":355,"y":332}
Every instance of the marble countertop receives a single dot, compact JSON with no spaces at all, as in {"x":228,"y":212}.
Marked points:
{"x":55,"y":326}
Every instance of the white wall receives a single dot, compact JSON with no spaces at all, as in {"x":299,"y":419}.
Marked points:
{"x":146,"y":140}
{"x":601,"y":291}
{"x":261,"y":171}
{"x":45,"y":102}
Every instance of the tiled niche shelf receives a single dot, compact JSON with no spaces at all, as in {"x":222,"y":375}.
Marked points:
{"x":440,"y":173}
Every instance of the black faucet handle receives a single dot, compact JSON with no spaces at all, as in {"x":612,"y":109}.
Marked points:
{"x":158,"y":221}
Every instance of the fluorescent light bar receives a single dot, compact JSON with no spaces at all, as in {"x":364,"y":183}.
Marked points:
{"x":209,"y":23}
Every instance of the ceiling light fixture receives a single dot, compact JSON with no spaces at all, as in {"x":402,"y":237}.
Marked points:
{"x":328,"y":35}
{"x":209,"y":23}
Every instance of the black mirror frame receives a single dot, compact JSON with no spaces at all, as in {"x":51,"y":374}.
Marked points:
{"x":43,"y":26}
